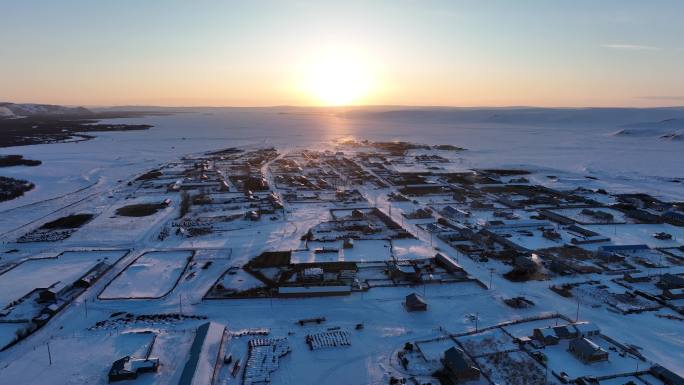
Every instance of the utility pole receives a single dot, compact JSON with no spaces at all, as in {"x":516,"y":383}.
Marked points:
{"x":180,"y":303}
{"x":546,"y":365}
{"x":491,"y":276}
{"x":49,"y":354}
{"x":578,"y":306}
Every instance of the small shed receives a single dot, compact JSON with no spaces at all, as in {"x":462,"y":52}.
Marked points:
{"x":566,"y":332}
{"x":415,"y":302}
{"x":666,"y":375}
{"x":587,"y":329}
{"x":404,"y":271}
{"x":671,"y":281}
{"x":358,"y":214}
{"x":92,"y":275}
{"x":53,"y":292}
{"x":128,"y":368}
{"x":525,"y":264}
{"x":546,"y":335}
{"x":673,"y":293}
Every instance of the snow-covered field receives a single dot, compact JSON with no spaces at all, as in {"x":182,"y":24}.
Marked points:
{"x":44,"y":272}
{"x":93,"y":176}
{"x":642,"y":234}
{"x":85,"y":358}
{"x":626,"y":162}
{"x":152,"y":275}
{"x":363,"y":251}
{"x":560,"y":359}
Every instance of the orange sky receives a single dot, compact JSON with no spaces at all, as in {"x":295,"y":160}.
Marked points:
{"x":458,"y":53}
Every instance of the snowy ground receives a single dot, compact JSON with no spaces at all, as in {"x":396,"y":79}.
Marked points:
{"x":76,"y":361}
{"x":578,"y":149}
{"x":152,"y":275}
{"x":561,"y":360}
{"x":92,"y":176}
{"x":44,"y":272}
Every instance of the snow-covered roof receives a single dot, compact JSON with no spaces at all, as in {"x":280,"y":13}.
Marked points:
{"x":199,"y":367}
{"x":313,"y":271}
{"x":585,"y":346}
{"x":586,"y":328}
{"x":547,"y":331}
{"x":454,"y":359}
{"x":523,"y":223}
{"x":312,"y":290}
{"x":415,"y":299}
{"x":143,"y":363}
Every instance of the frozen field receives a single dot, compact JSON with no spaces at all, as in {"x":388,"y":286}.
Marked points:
{"x":176,"y":259}
{"x":586,"y":149}
{"x":560,"y":359}
{"x":487,"y":342}
{"x":406,"y":249}
{"x":42,"y":273}
{"x":7,"y":332}
{"x":641,"y":234}
{"x":515,"y":368}
{"x":363,"y":251}
{"x":434,"y":350}
{"x":152,"y":275}
{"x":110,"y":227}
{"x":74,"y":361}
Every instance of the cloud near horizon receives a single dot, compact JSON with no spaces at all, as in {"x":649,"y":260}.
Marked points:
{"x":631,"y":47}
{"x":663,"y":97}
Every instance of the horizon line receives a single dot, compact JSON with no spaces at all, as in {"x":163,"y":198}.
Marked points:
{"x":359,"y":106}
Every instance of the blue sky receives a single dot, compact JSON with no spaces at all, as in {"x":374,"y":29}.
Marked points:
{"x":527,"y":52}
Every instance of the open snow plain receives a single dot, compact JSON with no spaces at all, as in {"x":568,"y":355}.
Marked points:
{"x":330,"y":305}
{"x":587,"y":149}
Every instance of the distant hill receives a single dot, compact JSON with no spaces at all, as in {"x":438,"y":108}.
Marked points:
{"x":672,"y":129}
{"x":30,"y":109}
{"x":28,"y":124}
{"x":533,"y":116}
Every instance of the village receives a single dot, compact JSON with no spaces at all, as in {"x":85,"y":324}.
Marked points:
{"x":393,"y":262}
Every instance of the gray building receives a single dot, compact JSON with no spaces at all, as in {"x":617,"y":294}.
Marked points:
{"x":414,"y":302}
{"x":458,"y":366}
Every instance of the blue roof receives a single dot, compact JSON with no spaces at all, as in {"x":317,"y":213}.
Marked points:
{"x":623,"y":247}
{"x":195,"y":350}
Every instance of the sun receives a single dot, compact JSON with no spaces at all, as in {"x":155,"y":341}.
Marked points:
{"x":338,"y":79}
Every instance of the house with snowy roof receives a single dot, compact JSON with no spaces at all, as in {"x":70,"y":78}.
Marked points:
{"x":458,"y":366}
{"x":587,"y":351}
